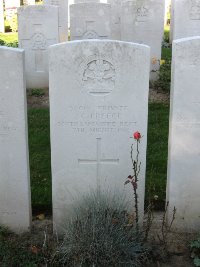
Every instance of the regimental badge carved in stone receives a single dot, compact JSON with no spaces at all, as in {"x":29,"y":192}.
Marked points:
{"x":195,"y":10}
{"x":90,"y":35}
{"x":142,"y":14}
{"x":39,"y":42}
{"x":99,"y":77}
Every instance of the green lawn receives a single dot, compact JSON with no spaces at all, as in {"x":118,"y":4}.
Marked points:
{"x":157,"y":149}
{"x":40,"y":160}
{"x":166,"y":53}
{"x":9,"y":37}
{"x":39,"y":147}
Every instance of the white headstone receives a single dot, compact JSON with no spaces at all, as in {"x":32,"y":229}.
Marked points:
{"x":15,"y":207}
{"x":186,"y":18}
{"x":143,"y":22}
{"x":37,"y":29}
{"x":63,"y":17}
{"x":184,"y":145}
{"x":11,"y":8}
{"x":2,"y":29}
{"x":98,"y":98}
{"x":90,"y":21}
{"x":115,"y":19}
{"x":11,"y":3}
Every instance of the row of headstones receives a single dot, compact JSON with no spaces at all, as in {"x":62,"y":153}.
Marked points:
{"x":183,"y":12}
{"x":98,"y":98}
{"x":136,"y":21}
{"x":41,"y":26}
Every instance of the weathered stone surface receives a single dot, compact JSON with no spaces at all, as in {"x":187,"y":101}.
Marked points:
{"x":143,"y":22}
{"x":15,"y":208}
{"x":186,"y":21}
{"x":98,"y":98}
{"x":115,"y":19}
{"x":63,"y":17}
{"x":184,"y":146}
{"x":38,"y":28}
{"x":90,"y":21}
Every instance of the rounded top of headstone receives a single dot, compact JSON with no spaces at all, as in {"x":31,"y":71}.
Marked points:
{"x":33,"y":8}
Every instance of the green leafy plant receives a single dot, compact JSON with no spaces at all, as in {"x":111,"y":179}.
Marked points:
{"x":2,"y":42}
{"x":164,"y":76}
{"x":37,"y":92}
{"x":12,"y":44}
{"x":13,"y":251}
{"x":9,"y":44}
{"x":166,"y":37}
{"x":195,"y":251}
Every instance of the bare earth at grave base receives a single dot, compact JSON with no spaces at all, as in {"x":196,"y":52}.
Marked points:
{"x":43,"y":244}
{"x":177,"y":253}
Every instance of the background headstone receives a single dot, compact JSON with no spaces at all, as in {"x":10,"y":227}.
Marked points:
{"x":37,"y":29}
{"x":11,"y":3}
{"x":143,"y":22}
{"x":63,"y":17}
{"x":184,"y":146}
{"x":15,"y":207}
{"x":29,"y":2}
{"x":115,"y":19}
{"x":2,"y":25}
{"x":186,"y":21}
{"x":102,"y":99}
{"x":90,"y":21}
{"x":11,"y":8}
{"x":128,"y":18}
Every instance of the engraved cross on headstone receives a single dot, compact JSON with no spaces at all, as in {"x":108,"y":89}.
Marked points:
{"x":98,"y":161}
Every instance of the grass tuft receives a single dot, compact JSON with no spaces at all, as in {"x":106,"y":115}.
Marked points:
{"x":99,"y":233}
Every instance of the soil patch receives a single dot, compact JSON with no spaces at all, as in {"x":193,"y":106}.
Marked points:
{"x":38,"y":99}
{"x":156,"y":96}
{"x":176,"y":252}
